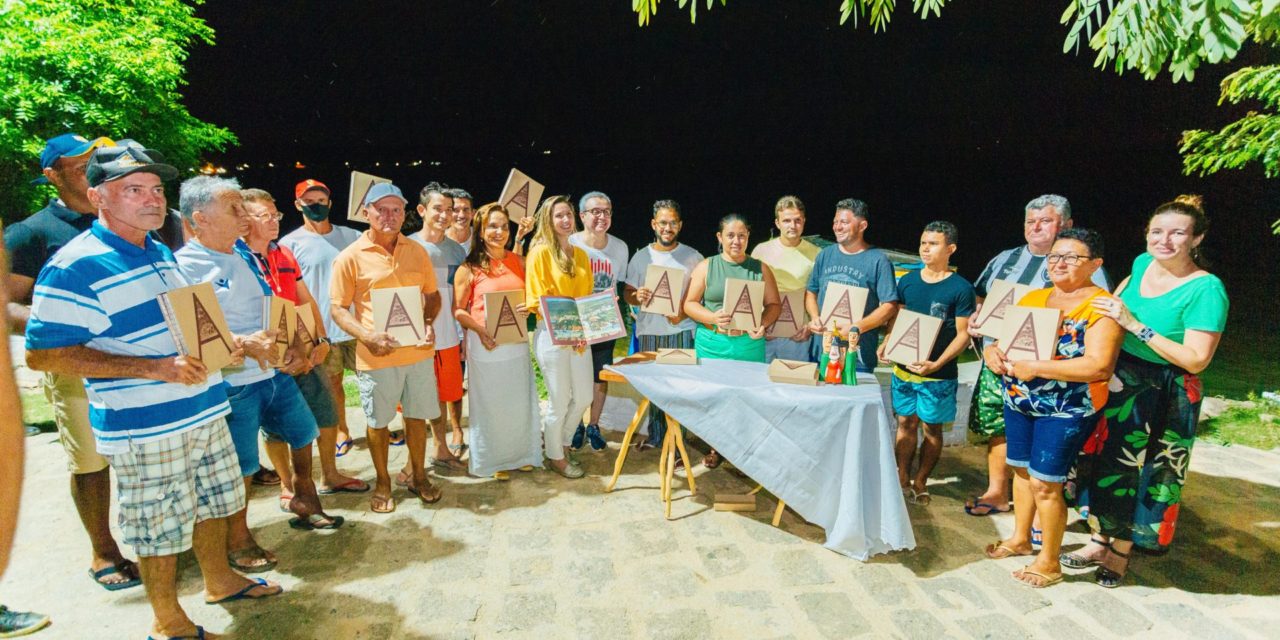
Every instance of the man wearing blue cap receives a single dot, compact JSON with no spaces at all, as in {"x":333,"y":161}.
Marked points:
{"x":389,"y":373}
{"x":31,"y":243}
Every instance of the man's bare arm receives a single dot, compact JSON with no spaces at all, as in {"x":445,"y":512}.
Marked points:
{"x":85,"y":362}
{"x":19,"y":289}
{"x":11,"y":431}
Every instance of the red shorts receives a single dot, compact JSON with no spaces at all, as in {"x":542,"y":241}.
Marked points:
{"x":449,"y":374}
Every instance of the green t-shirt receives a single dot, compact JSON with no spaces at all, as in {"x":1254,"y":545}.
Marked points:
{"x":1199,"y":304}
{"x":718,"y":270}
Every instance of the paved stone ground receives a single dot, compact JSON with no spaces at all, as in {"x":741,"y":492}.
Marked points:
{"x":545,"y":557}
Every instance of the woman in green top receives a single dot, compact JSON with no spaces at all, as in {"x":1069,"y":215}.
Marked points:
{"x":1132,"y":469}
{"x":704,"y":302}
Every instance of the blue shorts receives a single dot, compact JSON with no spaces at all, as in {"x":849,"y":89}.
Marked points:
{"x":933,"y":401}
{"x":276,"y":405}
{"x":1045,"y":446}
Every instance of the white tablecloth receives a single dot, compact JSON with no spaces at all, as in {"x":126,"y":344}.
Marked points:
{"x":826,"y":450}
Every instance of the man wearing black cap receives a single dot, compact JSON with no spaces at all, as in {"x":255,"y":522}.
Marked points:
{"x":31,"y":243}
{"x":159,"y":416}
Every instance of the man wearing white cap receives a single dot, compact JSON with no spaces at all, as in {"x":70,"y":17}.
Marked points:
{"x":389,"y":373}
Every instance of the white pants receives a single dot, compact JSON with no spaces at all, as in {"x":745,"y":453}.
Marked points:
{"x":568,"y":377}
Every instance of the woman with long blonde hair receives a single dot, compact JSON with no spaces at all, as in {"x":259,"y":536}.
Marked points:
{"x":555,"y":267}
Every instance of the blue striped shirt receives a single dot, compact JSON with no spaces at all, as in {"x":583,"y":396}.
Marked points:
{"x":99,"y":291}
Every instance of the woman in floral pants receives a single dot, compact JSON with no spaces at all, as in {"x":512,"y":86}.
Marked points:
{"x":1133,"y":467}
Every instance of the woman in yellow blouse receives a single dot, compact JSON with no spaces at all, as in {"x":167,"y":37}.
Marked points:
{"x":556,"y":268}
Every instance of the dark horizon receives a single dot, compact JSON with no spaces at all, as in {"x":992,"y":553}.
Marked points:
{"x":964,"y":117}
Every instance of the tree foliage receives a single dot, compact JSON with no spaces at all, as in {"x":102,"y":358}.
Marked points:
{"x":1148,"y":36}
{"x":95,"y":67}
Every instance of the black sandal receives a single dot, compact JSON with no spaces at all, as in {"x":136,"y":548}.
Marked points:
{"x":1074,"y":560}
{"x":1108,"y":579}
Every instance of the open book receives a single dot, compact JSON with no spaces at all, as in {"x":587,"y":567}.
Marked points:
{"x":591,"y":319}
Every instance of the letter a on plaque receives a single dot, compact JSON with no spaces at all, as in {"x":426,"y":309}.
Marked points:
{"x":1030,"y":333}
{"x":398,"y":311}
{"x":666,"y":287}
{"x":912,"y":338}
{"x":505,"y":326}
{"x":206,"y":329}
{"x":843,"y":304}
{"x":745,"y":301}
{"x":1002,"y":294}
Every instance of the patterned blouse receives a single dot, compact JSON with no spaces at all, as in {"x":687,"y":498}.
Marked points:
{"x":1040,"y":397}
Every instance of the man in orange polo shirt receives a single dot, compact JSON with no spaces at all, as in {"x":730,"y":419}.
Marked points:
{"x":387,"y":372}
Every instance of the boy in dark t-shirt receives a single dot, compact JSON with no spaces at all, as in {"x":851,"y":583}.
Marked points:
{"x":924,"y":393}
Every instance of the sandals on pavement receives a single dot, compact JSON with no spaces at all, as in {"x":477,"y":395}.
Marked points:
{"x":344,"y":447}
{"x":266,"y":477}
{"x":998,"y":550}
{"x":126,"y":569}
{"x":1045,"y":580}
{"x":243,"y":594}
{"x":316,"y":521}
{"x":437,"y":494}
{"x":236,"y":560}
{"x":984,"y":509}
{"x":198,"y":636}
{"x":1075,"y":560}
{"x":354,"y":485}
{"x":1108,"y":579}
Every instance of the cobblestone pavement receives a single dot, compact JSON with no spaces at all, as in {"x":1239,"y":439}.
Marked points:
{"x":540,"y":556}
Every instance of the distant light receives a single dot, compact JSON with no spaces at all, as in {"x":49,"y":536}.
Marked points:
{"x":436,"y":163}
{"x":299,"y":165}
{"x":397,"y":164}
{"x":546,"y":152}
{"x":346,"y":164}
{"x":377,"y":164}
{"x":271,"y":164}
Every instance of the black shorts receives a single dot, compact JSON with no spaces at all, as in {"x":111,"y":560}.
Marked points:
{"x":601,"y":355}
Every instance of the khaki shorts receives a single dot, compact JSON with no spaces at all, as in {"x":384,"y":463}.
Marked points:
{"x":342,"y":356}
{"x":71,"y":413}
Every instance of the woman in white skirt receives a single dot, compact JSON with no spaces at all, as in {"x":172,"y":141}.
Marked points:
{"x":502,"y":400}
{"x":557,"y":268}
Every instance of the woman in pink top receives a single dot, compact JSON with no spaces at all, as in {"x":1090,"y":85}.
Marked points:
{"x":503,"y":401}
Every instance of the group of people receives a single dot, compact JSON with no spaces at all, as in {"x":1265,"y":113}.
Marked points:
{"x":184,"y":439}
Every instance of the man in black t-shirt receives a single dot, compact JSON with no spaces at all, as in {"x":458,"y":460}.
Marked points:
{"x":31,"y":243}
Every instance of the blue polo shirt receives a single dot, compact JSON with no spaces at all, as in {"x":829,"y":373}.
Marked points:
{"x":100,"y":291}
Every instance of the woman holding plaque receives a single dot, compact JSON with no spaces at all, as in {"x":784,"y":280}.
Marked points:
{"x":1173,"y":312}
{"x":555,"y":267}
{"x":503,"y":403}
{"x":1052,"y":405}
{"x":715,"y":337}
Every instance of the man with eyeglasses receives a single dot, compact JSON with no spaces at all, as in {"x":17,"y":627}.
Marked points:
{"x":158,"y":416}
{"x":1043,"y":218}
{"x":32,"y":243}
{"x":316,"y":245}
{"x":284,"y":275}
{"x":608,"y":257}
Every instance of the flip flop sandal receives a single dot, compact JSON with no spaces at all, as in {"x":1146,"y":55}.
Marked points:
{"x":1074,"y":560}
{"x":344,"y":447}
{"x":439,"y":495}
{"x":266,"y":478}
{"x":243,"y":594}
{"x":284,"y":503}
{"x":354,"y":485}
{"x":998,"y":551}
{"x":112,"y":571}
{"x":235,"y":558}
{"x":922,"y":498}
{"x":449,"y":464}
{"x":382,"y":505}
{"x":1037,"y":537}
{"x":397,"y":439}
{"x":457,"y":449}
{"x":987,"y":509}
{"x":198,"y":636}
{"x":1045,"y":580}
{"x":317,"y":521}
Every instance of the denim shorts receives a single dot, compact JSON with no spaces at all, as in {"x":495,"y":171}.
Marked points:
{"x":276,"y":405}
{"x":1046,"y":446}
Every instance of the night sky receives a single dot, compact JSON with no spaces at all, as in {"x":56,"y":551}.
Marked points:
{"x":963,"y":118}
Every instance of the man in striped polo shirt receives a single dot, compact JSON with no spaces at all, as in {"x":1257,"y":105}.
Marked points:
{"x":159,"y":417}
{"x":1044,"y":217}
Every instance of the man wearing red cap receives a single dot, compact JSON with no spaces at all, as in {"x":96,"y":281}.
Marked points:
{"x":316,"y":245}
{"x":31,"y":243}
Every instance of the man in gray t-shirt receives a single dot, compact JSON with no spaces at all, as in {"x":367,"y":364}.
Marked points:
{"x":852,"y":261}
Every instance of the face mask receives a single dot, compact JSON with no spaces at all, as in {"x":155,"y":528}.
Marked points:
{"x":316,"y":212}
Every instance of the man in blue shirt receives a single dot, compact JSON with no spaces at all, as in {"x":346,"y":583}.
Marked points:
{"x":158,"y":416}
{"x":852,"y":261}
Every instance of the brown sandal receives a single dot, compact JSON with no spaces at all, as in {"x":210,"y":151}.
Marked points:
{"x":379,"y":504}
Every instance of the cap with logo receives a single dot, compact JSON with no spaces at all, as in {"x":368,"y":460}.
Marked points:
{"x":124,"y":158}
{"x":309,"y":185}
{"x":382,"y":190}
{"x":67,"y":145}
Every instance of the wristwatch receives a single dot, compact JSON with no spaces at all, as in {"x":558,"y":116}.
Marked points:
{"x":1146,"y":334}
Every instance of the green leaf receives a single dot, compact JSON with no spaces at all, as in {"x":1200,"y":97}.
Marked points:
{"x":1109,"y":480}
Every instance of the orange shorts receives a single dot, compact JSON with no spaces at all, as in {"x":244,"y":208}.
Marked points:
{"x":449,"y":374}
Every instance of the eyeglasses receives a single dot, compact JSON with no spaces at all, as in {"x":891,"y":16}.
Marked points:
{"x":599,"y":213}
{"x":1069,"y":259}
{"x":277,"y":216}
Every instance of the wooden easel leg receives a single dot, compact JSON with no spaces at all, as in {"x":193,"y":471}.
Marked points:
{"x":777,"y":513}
{"x":641,"y":411}
{"x":755,"y":490}
{"x":669,"y":449}
{"x":673,"y":427}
